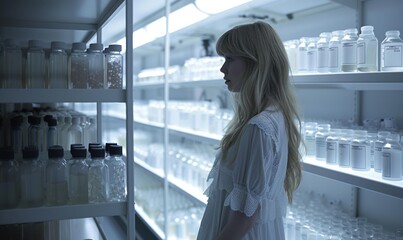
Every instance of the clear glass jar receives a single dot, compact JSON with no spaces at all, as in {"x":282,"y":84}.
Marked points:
{"x":360,"y":151}
{"x":312,"y":52}
{"x":31,"y":178}
{"x":309,"y":138}
{"x":322,"y":132}
{"x":58,"y":77}
{"x":96,"y":61}
{"x":78,"y":66}
{"x":52,"y":137}
{"x":92,"y":132}
{"x":367,"y":50}
{"x":349,"y":50}
{"x":344,"y":147}
{"x":36,"y":65}
{"x":332,"y":150}
{"x":13,"y":62}
{"x":335,"y":51}
{"x":56,"y":177}
{"x":392,"y":158}
{"x":98,"y":177}
{"x":302,"y":62}
{"x":378,"y":145}
{"x":75,"y":132}
{"x":114,"y":67}
{"x":117,"y":175}
{"x":323,"y":51}
{"x":292,"y":49}
{"x":63,"y":137}
{"x":392,"y":52}
{"x":35,"y":133}
{"x":78,"y":187}
{"x":9,"y":174}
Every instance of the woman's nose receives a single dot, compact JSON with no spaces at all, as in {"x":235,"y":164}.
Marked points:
{"x":223,"y":69}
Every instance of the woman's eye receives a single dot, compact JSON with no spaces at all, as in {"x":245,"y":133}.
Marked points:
{"x":228,"y":59}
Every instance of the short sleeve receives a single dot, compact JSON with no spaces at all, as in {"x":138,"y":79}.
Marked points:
{"x":253,"y":168}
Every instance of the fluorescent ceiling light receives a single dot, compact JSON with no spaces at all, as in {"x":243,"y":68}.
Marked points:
{"x":185,"y":17}
{"x":217,"y":6}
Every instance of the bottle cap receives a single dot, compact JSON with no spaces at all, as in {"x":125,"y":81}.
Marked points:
{"x":47,"y":117}
{"x":79,"y":152}
{"x":115,"y":48}
{"x":6,"y":153}
{"x":34,"y":120}
{"x":52,"y":122}
{"x":55,"y":151}
{"x":96,"y":47}
{"x":58,"y":45}
{"x":76,"y":145}
{"x":79,"y":46}
{"x":30,"y":152}
{"x":115,"y":150}
{"x":108,"y":145}
{"x":35,"y":44}
{"x":97,"y":152}
{"x":10,"y":42}
{"x":16,"y":121}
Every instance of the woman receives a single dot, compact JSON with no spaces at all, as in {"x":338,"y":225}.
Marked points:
{"x":258,"y":164}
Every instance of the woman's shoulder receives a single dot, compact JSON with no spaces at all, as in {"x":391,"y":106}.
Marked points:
{"x":270,"y":117}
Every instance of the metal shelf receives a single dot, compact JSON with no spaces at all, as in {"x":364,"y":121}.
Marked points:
{"x":41,"y":214}
{"x":61,"y":95}
{"x":153,"y":226}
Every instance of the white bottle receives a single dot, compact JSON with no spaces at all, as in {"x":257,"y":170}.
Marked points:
{"x":360,"y":151}
{"x":322,"y":132}
{"x":349,"y":50}
{"x":312,"y":52}
{"x":332,"y":146}
{"x":75,"y":132}
{"x":335,"y":51}
{"x":78,"y":66}
{"x":344,"y":148}
{"x":367,"y":50}
{"x":323,"y":51}
{"x":58,"y":77}
{"x":392,"y":52}
{"x":309,"y":138}
{"x":13,"y":63}
{"x":392,"y":158}
{"x":36,"y":65}
{"x":302,"y":62}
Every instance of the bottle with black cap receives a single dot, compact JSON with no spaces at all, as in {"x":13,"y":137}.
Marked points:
{"x":78,"y":187}
{"x":56,"y":177}
{"x":9,"y":173}
{"x":117,"y":174}
{"x":98,"y":177}
{"x":31,"y":178}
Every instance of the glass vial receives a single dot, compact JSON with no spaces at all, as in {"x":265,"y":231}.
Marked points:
{"x":78,"y":66}
{"x":323,"y":51}
{"x":56,"y":177}
{"x":117,"y":174}
{"x":12,"y":64}
{"x":392,"y":52}
{"x":9,"y":173}
{"x":96,"y":59}
{"x":36,"y":65}
{"x":58,"y":77}
{"x":114,"y":67}
{"x":335,"y":51}
{"x":98,"y":177}
{"x":378,"y":145}
{"x":78,"y":188}
{"x":360,"y":151}
{"x":31,"y":178}
{"x":349,"y":50}
{"x":367,"y":50}
{"x":392,"y":158}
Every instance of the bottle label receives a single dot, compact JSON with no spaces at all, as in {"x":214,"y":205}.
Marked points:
{"x":349,"y":55}
{"x":344,"y":154}
{"x":334,"y":57}
{"x":331,"y":152}
{"x":358,"y":157}
{"x":323,"y":53}
{"x":302,"y":59}
{"x":361,"y":53}
{"x":392,"y":56}
{"x":392,"y":164}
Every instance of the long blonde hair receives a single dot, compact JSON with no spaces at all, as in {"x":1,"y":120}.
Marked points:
{"x":265,"y":83}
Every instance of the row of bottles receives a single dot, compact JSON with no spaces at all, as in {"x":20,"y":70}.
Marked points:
{"x":45,"y":128}
{"x":346,"y":51}
{"x":60,"y":67}
{"x":87,"y":177}
{"x":358,"y":149}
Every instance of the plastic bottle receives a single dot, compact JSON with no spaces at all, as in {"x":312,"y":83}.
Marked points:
{"x":309,"y":137}
{"x":323,"y":51}
{"x":9,"y":173}
{"x":31,"y":178}
{"x":52,"y":133}
{"x":117,"y":175}
{"x":35,"y":133}
{"x":98,"y":177}
{"x":16,"y":134}
{"x":312,"y":52}
{"x":349,"y":50}
{"x":92,"y":132}
{"x":36,"y":65}
{"x":392,"y":158}
{"x":360,"y":151}
{"x":13,"y":63}
{"x":56,"y":177}
{"x":292,"y":50}
{"x":378,"y":145}
{"x":344,"y":148}
{"x":367,"y":50}
{"x":322,"y":132}
{"x":302,"y":62}
{"x":332,"y":146}
{"x":78,"y":187}
{"x":114,"y":67}
{"x":75,"y":132}
{"x":392,"y":52}
{"x":63,"y":138}
{"x":78,"y":66}
{"x":335,"y":51}
{"x":96,"y":61}
{"x":58,"y":77}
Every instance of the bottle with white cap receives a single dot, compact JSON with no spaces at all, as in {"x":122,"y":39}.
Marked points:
{"x":367,"y":50}
{"x":335,"y":51}
{"x":392,"y":158}
{"x":12,"y":65}
{"x":78,"y":66}
{"x":114,"y":67}
{"x":58,"y":65}
{"x":323,"y":51}
{"x":392,"y":52}
{"x":96,"y":60}
{"x":36,"y":65}
{"x":349,"y":50}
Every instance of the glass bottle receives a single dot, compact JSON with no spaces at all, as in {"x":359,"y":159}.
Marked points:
{"x":63,"y":138}
{"x":35,"y":133}
{"x":349,"y":50}
{"x":98,"y":177}
{"x":392,"y":158}
{"x":78,"y":66}
{"x":312,"y":52}
{"x":52,"y":137}
{"x":360,"y":151}
{"x":78,"y":188}
{"x":303,"y":55}
{"x":378,"y":145}
{"x":335,"y":51}
{"x":36,"y":65}
{"x":13,"y":63}
{"x":58,"y":77}
{"x":92,"y":132}
{"x":392,"y":52}
{"x":117,"y":174}
{"x":96,"y":61}
{"x":114,"y":67}
{"x":107,"y":148}
{"x":309,"y":138}
{"x":75,"y":132}
{"x":16,"y":134}
{"x":367,"y":50}
{"x":31,"y":178}
{"x":323,"y":51}
{"x":9,"y":173}
{"x":332,"y":146}
{"x":322,"y":132}
{"x":292,"y":54}
{"x":344,"y":148}
{"x":56,"y":177}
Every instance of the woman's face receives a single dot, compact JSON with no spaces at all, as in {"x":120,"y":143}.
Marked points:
{"x":233,"y":69}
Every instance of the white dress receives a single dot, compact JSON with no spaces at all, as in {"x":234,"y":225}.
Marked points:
{"x":256,"y":178}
